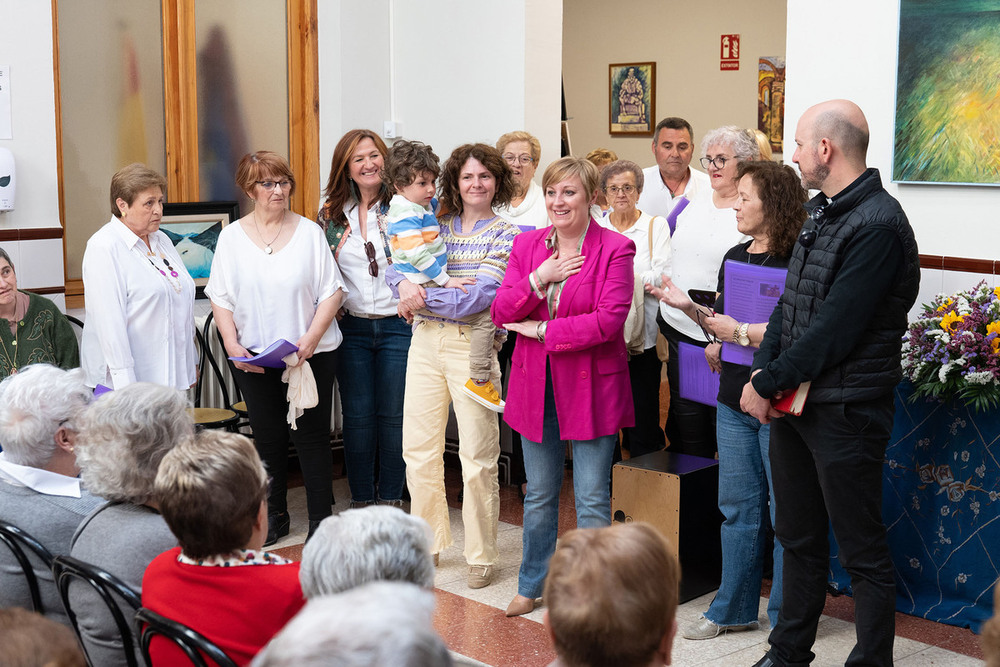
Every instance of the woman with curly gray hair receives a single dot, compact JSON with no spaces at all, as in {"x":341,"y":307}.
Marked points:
{"x":705,"y":231}
{"x":122,"y":439}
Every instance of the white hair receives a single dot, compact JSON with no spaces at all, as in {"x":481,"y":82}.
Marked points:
{"x":740,"y":141}
{"x":34,"y":404}
{"x":124,"y":435}
{"x":383,"y":624}
{"x":374,"y":543}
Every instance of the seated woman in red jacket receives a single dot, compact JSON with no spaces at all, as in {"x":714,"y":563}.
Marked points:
{"x":212,"y":492}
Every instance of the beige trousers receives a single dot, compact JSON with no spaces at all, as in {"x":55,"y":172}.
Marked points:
{"x":436,"y":370}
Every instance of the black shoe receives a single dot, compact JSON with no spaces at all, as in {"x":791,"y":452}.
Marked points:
{"x":277,"y":527}
{"x":313,"y":525}
{"x":765,"y":662}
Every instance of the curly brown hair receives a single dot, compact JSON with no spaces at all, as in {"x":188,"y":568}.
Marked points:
{"x":449,"y":196}
{"x":783,"y":199}
{"x":340,"y":189}
{"x":406,"y":161}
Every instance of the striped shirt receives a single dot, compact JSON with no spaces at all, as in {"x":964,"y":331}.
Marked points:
{"x":414,"y":238}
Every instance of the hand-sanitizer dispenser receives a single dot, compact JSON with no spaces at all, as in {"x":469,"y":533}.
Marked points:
{"x":7,"y":181}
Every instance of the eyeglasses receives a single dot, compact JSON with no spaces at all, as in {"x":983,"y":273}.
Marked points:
{"x":510,"y":158}
{"x":614,"y":189}
{"x":719,"y":162}
{"x":372,"y":264}
{"x":269,"y":185}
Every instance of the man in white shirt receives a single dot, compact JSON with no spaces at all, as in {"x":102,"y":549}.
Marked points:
{"x":39,"y":489}
{"x":671,"y":176}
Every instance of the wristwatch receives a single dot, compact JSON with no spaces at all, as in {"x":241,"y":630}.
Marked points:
{"x":741,"y":334}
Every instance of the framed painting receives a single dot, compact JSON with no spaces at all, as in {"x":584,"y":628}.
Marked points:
{"x":946,"y":89}
{"x":632,"y":103}
{"x":193,"y":228}
{"x":771,"y":99}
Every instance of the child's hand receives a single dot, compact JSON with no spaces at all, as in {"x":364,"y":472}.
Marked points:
{"x":460,"y":282}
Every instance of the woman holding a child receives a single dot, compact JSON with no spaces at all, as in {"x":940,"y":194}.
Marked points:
{"x":475,"y":180}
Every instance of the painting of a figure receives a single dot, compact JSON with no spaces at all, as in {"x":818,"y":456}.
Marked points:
{"x":948,"y":92}
{"x":771,"y":99}
{"x":632,"y":98}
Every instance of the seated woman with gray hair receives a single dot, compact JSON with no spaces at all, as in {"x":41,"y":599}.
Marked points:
{"x":39,"y":489}
{"x":212,"y":492}
{"x":374,"y":543}
{"x":122,"y":439}
{"x":382,"y":624}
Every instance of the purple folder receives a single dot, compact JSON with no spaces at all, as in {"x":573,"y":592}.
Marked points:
{"x":750,"y":294}
{"x":272,"y":356}
{"x":697,"y":381}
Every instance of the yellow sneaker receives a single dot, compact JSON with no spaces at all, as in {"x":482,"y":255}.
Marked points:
{"x":484,"y":394}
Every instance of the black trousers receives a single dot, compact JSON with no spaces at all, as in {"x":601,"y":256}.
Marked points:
{"x":267,"y":404}
{"x":517,"y":475}
{"x":644,"y":374}
{"x":827,"y":469}
{"x":690,"y":425}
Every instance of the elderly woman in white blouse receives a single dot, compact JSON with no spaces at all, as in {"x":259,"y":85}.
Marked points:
{"x":621,"y":182}
{"x":273,"y":277}
{"x":140,"y":298}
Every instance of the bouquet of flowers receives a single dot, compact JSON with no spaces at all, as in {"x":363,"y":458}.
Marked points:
{"x":953,"y":350}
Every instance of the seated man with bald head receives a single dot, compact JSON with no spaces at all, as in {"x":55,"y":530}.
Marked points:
{"x":852,"y":278}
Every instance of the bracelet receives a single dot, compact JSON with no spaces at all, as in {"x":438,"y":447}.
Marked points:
{"x":540,"y":331}
{"x":736,"y":334}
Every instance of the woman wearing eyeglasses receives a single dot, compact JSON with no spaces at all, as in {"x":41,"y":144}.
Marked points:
{"x":705,"y":231}
{"x":273,"y":277}
{"x":521,"y":151}
{"x":770,"y":209}
{"x":371,"y":373}
{"x":622,"y":183}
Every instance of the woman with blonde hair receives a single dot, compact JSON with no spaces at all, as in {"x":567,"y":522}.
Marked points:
{"x":601,"y":157}
{"x":521,"y":151}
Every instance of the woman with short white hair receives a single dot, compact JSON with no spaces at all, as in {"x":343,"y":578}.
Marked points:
{"x":39,"y":489}
{"x":123,"y":437}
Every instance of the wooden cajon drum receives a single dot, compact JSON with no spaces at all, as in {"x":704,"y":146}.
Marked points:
{"x":679,"y":495}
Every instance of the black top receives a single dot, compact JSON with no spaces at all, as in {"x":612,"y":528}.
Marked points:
{"x":735,"y":376}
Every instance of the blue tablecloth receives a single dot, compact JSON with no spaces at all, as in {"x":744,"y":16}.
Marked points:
{"x":941,"y":504}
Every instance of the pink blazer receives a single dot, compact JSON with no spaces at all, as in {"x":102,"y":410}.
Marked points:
{"x":584,"y":344}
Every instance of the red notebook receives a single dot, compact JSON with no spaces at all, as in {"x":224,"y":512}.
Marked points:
{"x":792,"y":402}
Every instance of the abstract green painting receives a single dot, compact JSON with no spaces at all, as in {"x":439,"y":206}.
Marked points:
{"x":948,"y":92}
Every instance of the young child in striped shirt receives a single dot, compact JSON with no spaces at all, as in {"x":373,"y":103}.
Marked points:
{"x":419,"y":253}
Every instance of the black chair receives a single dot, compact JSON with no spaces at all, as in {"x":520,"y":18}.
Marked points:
{"x":239,"y":406}
{"x":211,"y":417}
{"x":195,"y":646}
{"x":110,"y":588}
{"x":20,"y":543}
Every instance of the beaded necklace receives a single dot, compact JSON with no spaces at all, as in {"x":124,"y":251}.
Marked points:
{"x":175,"y":282}
{"x":12,"y":360}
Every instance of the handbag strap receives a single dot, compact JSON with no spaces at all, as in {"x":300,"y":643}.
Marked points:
{"x":679,"y":207}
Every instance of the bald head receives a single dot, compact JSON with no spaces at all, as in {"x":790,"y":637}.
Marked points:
{"x":832,"y":145}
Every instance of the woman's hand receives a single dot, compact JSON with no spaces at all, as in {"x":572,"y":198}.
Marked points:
{"x":237,"y":350}
{"x":556,"y":269}
{"x":721,"y":326}
{"x":527,"y":328}
{"x":713,"y":354}
{"x":307,"y":345}
{"x":411,"y":297}
{"x":670,"y":294}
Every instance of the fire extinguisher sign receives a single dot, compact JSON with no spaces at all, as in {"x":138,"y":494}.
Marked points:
{"x":729,"y":52}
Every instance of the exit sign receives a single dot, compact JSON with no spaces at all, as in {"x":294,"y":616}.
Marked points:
{"x":729,"y":52}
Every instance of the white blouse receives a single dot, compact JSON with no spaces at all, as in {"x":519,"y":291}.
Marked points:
{"x":530,"y":214}
{"x":650,"y":263}
{"x":275,"y":296}
{"x":140,"y":323}
{"x":365,"y":294}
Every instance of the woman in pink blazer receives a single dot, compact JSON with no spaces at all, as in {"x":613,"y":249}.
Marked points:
{"x":566,"y":293}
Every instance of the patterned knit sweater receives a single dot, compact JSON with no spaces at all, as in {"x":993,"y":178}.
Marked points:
{"x":481,"y":254}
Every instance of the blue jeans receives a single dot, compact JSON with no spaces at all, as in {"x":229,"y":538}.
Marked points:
{"x":372,"y":376}
{"x":744,"y":483}
{"x":544,"y":463}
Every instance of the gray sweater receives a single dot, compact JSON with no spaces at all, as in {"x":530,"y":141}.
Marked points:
{"x":52,"y":521}
{"x":122,"y":539}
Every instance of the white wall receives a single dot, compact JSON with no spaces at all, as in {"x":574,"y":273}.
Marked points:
{"x":448,"y":71}
{"x":851,"y":52}
{"x":26,"y":45}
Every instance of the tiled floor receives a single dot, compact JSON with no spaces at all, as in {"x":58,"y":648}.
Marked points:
{"x":473,"y":623}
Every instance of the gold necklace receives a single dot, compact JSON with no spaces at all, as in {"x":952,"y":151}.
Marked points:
{"x":267,"y":244}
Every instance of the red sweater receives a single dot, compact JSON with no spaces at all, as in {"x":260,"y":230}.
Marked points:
{"x":237,"y":608}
